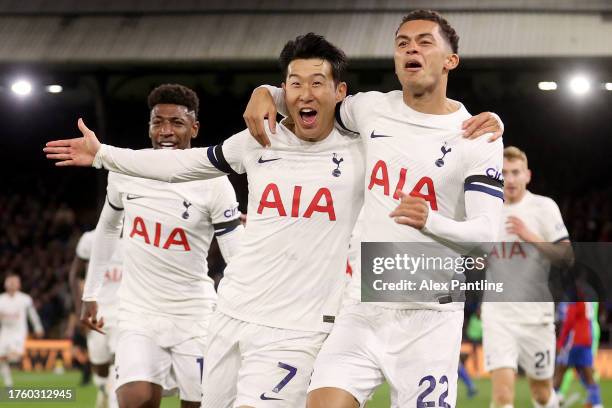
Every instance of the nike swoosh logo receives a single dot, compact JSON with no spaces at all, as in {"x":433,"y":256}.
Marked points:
{"x":263,"y":397}
{"x":262,"y":160}
{"x":373,"y":135}
{"x":133,"y":197}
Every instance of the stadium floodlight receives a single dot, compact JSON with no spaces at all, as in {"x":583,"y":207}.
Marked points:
{"x":22,"y":87}
{"x":608,"y":86}
{"x":54,"y":88}
{"x":547,"y":86}
{"x":579,"y":85}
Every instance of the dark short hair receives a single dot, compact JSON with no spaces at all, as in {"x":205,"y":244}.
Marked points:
{"x":174,"y":94}
{"x":447,"y":31}
{"x":312,"y":45}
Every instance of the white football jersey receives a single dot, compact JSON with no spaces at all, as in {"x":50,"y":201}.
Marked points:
{"x":421,"y":154}
{"x":304,"y":199}
{"x":167,"y":232}
{"x":526,"y":264}
{"x":108,"y":300}
{"x":14,"y":314}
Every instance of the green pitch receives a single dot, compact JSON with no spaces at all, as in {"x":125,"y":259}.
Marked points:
{"x":86,"y":396}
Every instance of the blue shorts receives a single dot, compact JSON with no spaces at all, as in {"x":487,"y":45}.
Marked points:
{"x":578,"y":356}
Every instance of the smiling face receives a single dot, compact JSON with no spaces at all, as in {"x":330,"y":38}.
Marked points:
{"x":516,"y":177}
{"x":311,"y":96}
{"x":172,"y":126}
{"x":422,"y":56}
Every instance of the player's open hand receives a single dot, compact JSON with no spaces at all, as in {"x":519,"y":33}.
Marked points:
{"x":260,"y":107}
{"x":516,"y":226}
{"x":412,"y":211}
{"x":89,"y":317}
{"x":483,"y":123}
{"x":74,"y":152}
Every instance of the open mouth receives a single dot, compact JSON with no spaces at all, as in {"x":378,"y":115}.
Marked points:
{"x":167,"y":145}
{"x":308,"y":116}
{"x":413,"y":66}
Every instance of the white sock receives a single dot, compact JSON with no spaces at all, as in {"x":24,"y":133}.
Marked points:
{"x":553,"y":401}
{"x":110,"y":388}
{"x":99,"y":382}
{"x":5,"y":372}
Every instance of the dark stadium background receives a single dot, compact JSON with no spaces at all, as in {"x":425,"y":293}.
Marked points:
{"x":44,"y":210}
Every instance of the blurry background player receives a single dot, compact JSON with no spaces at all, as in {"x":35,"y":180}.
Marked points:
{"x":523,"y":333}
{"x":15,"y":309}
{"x":569,"y":376}
{"x":101,"y":347}
{"x":576,"y":345}
{"x":166,"y":296}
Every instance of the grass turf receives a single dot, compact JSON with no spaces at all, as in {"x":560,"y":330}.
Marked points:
{"x":86,"y":396}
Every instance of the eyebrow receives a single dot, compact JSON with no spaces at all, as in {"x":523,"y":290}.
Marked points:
{"x":418,"y":36}
{"x":313,"y":75}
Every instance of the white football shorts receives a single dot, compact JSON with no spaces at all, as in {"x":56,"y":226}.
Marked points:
{"x":162,"y":350}
{"x":415,"y":351}
{"x":259,"y":366}
{"x":509,"y":344}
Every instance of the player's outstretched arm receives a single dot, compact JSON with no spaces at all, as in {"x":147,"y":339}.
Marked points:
{"x":79,"y":151}
{"x":166,"y":165}
{"x":483,"y":123}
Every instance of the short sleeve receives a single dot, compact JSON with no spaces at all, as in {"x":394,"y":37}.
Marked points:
{"x":553,"y":227}
{"x":484,"y":167}
{"x":83,"y":249}
{"x":113,"y":195}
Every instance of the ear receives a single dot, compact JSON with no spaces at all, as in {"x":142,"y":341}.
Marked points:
{"x":451,"y":62}
{"x":341,"y":91}
{"x":528,"y":176}
{"x":196,"y":129}
{"x":283,"y":86}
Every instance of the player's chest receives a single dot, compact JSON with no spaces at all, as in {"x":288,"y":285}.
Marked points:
{"x":163,"y":216}
{"x":531,"y":217}
{"x":301,"y":186}
{"x":416,"y":160}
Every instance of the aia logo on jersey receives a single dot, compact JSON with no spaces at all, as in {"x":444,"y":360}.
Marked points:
{"x":444,"y":150}
{"x":321,"y":202}
{"x":336,"y":172}
{"x":176,"y":239}
{"x":508,"y":250}
{"x":424,"y":188}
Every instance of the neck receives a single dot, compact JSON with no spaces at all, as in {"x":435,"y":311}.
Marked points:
{"x":431,"y":100}
{"x":517,"y":199}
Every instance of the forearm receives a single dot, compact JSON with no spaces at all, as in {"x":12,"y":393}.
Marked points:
{"x":105,"y":241}
{"x":560,"y":254}
{"x":35,"y":320}
{"x":164,"y":165}
{"x":483,"y":216}
{"x":279,"y":99}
